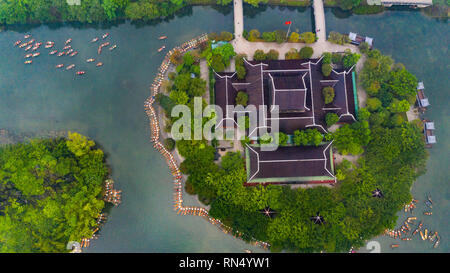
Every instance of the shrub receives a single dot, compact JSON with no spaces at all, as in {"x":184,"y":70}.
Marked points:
{"x":241,"y":72}
{"x":336,"y":58}
{"x":337,"y":38}
{"x":328,"y":94}
{"x":272,"y":55}
{"x":253,"y":35}
{"x":268,"y":36}
{"x":292,"y":54}
{"x":280,"y":36}
{"x":294,"y":37}
{"x":306,"y":52}
{"x":241,"y":98}
{"x":169,"y":143}
{"x":326,"y":58}
{"x":259,"y":55}
{"x":350,"y":59}
{"x":326,"y":69}
{"x":331,"y":119}
{"x":226,"y":36}
{"x":373,"y":104}
{"x":308,"y":37}
{"x":281,"y":138}
{"x":364,"y":47}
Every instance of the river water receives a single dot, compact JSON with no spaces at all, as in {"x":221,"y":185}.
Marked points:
{"x":106,"y":104}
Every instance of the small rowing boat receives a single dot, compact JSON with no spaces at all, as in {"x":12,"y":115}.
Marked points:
{"x":90,"y":60}
{"x":162,"y":37}
{"x":80,"y":72}
{"x":28,"y":62}
{"x":74,"y":53}
{"x":59,"y":65}
{"x":105,"y":35}
{"x":161,"y":48}
{"x":27,"y":36}
{"x":22,"y":45}
{"x":31,"y":41}
{"x":28,"y":55}
{"x":68,"y":41}
{"x":99,"y":64}
{"x":53,"y":52}
{"x":70,"y":67}
{"x":49,"y":45}
{"x":94,"y":40}
{"x":113,"y":47}
{"x":28,"y":47}
{"x":36,"y":54}
{"x":69,"y":51}
{"x":67,"y":47}
{"x":17,"y":43}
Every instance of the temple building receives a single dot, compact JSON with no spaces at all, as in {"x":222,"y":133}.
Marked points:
{"x":295,"y":87}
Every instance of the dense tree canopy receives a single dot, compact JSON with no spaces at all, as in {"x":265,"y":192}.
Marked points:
{"x":49,"y":193}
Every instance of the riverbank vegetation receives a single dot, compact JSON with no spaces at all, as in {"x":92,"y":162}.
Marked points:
{"x":279,"y":36}
{"x":50,"y":193}
{"x":391,"y":156}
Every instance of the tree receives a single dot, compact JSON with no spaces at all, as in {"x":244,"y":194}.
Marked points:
{"x":179,"y":97}
{"x":292,"y":54}
{"x":331,"y":119}
{"x":326,"y":58}
{"x":272,"y":55}
{"x":306,"y":52}
{"x":399,"y":106}
{"x":294,"y":37}
{"x":308,"y":37}
{"x":328,"y":94}
{"x":268,"y":36}
{"x":169,"y":143}
{"x":78,"y":144}
{"x":226,"y":36}
{"x":232,"y":161}
{"x":350,"y":60}
{"x":241,"y":72}
{"x":281,"y":138}
{"x":241,"y":98}
{"x":326,"y":69}
{"x":363,"y":114}
{"x":364,"y":47}
{"x":402,"y":83}
{"x":373,"y":104}
{"x":253,"y":35}
{"x":259,"y":55}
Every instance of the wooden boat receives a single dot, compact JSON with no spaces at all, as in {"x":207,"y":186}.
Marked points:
{"x":34,"y":48}
{"x":28,"y":62}
{"x":90,"y":60}
{"x":61,"y":53}
{"x":22,"y":45}
{"x":94,"y":40}
{"x":67,"y":47}
{"x":105,"y":35}
{"x":162,"y":37}
{"x":36,"y":54}
{"x":17,"y":43}
{"x":161,"y":48}
{"x":427,"y":212}
{"x":74,"y":53}
{"x":59,"y":65}
{"x":38,"y":44}
{"x":113,"y":47}
{"x":105,"y":44}
{"x":68,"y":41}
{"x":80,"y":72}
{"x":28,"y":55}
{"x":69,"y":51}
{"x":53,"y":52}
{"x":27,"y":36}
{"x":394,"y":245}
{"x":28,"y":48}
{"x":31,"y":41}
{"x":70,"y":67}
{"x":49,"y":45}
{"x":99,"y":64}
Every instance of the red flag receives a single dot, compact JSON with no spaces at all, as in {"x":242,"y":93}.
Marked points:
{"x":288,"y":22}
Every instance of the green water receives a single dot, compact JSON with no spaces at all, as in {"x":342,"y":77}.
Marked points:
{"x":107,"y":105}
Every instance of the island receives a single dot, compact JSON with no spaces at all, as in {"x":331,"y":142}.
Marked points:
{"x":52,"y":194}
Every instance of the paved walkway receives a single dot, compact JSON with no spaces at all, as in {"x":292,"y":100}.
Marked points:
{"x":319,"y":19}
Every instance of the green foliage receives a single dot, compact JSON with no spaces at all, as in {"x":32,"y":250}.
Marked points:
{"x":373,"y":104}
{"x":294,"y":37}
{"x":272,"y":55}
{"x":241,"y":72}
{"x":226,"y":36}
{"x":281,"y":138}
{"x":326,"y":58}
{"x":331,"y":119}
{"x":259,"y":55}
{"x":328,"y":94}
{"x":326,"y":69}
{"x":219,"y":57}
{"x":350,"y":60}
{"x":49,"y":193}
{"x":292,"y":54}
{"x":401,"y":83}
{"x":241,"y":98}
{"x":254,"y":35}
{"x":269,"y":36}
{"x":308,"y":37}
{"x":169,"y":143}
{"x":232,"y":161}
{"x":352,"y":138}
{"x":399,"y":106}
{"x":306,"y":52}
{"x":307,"y":137}
{"x":363,"y":114}
{"x":348,"y":4}
{"x":337,"y":38}
{"x":336,"y":58}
